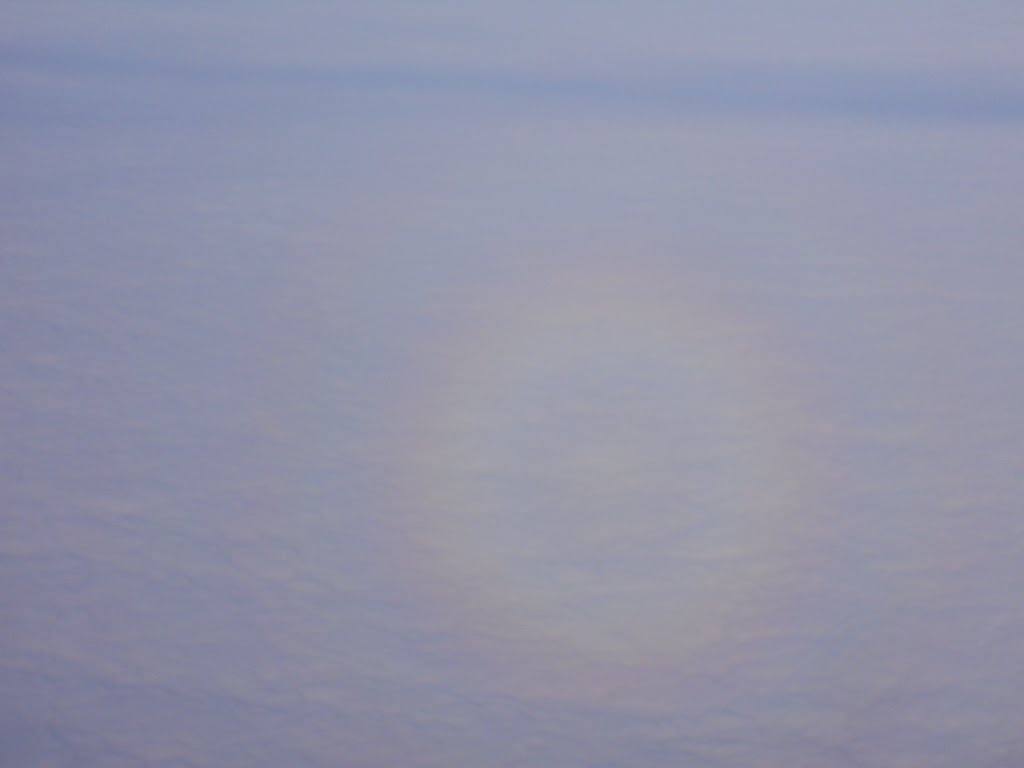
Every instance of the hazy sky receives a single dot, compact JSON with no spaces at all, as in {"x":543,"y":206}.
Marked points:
{"x":400,"y":384}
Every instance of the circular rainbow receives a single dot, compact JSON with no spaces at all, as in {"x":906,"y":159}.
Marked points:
{"x":597,"y":477}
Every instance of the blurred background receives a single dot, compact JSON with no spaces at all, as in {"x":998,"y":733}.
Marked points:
{"x":587,"y":384}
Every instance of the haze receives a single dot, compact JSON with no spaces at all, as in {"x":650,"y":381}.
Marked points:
{"x":471,"y":385}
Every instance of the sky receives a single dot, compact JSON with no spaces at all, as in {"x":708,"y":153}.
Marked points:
{"x":590,"y":385}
